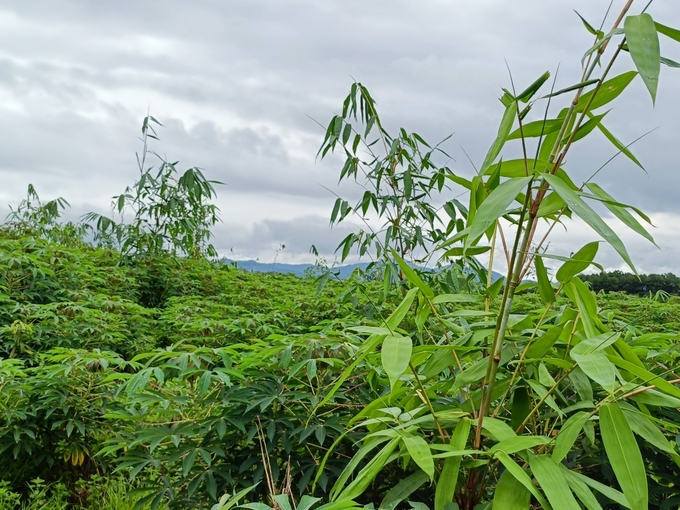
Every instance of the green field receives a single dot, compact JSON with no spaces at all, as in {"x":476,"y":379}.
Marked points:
{"x":178,"y":372}
{"x":138,"y":372}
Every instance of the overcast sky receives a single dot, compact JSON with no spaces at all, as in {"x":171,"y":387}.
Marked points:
{"x":238,"y":85}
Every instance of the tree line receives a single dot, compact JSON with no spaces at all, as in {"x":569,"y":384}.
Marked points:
{"x":618,"y":281}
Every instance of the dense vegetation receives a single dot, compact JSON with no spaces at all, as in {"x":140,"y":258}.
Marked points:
{"x":130,"y":361}
{"x":640,"y":285}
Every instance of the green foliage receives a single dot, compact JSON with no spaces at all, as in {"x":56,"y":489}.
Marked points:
{"x":171,"y":212}
{"x":205,"y":386}
{"x":402,"y":182}
{"x":640,"y":285}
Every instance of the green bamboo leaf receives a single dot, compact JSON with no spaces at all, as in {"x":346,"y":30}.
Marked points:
{"x":522,"y":477}
{"x":670,"y":63}
{"x":419,"y":450}
{"x":585,"y":301}
{"x":645,"y":428}
{"x":551,"y":480}
{"x":395,"y":356}
{"x":583,"y":493}
{"x":368,"y":473}
{"x":668,"y":31}
{"x":577,"y":263}
{"x":470,"y":252}
{"x":582,"y":384}
{"x":497,"y":429}
{"x":446,"y":485}
{"x":607,"y":92}
{"x":568,"y":435}
{"x":595,"y":344}
{"x":521,"y":406}
{"x":527,"y":94}
{"x":643,"y":44}
{"x":536,"y":129}
{"x":615,"y":141}
{"x":519,"y":443}
{"x":517,"y":167}
{"x":400,"y":311}
{"x":402,"y":490}
{"x":605,"y":490}
{"x":510,"y":494}
{"x":646,"y":376}
{"x":598,"y":33}
{"x":542,"y":344}
{"x":542,"y":393}
{"x":586,"y":213}
{"x":624,"y":456}
{"x":495,"y":206}
{"x":412,"y":276}
{"x":576,"y":86}
{"x":545,"y":289}
{"x":598,"y":368}
{"x":585,"y":129}
{"x":503,"y":132}
{"x":620,"y":212}
{"x":456,"y":298}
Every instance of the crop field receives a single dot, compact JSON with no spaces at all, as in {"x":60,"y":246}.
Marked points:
{"x":138,"y":370}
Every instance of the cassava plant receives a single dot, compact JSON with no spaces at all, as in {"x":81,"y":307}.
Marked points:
{"x":493,"y":409}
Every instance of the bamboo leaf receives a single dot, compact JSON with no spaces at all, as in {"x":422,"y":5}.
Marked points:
{"x":668,"y":31}
{"x":517,"y":167}
{"x":551,"y":480}
{"x":587,"y":128}
{"x":607,"y":92}
{"x":620,"y":212}
{"x":510,"y":494}
{"x":521,"y":406}
{"x":519,"y":443}
{"x":400,"y":311}
{"x":545,"y":289}
{"x":645,"y":428}
{"x":522,"y":477}
{"x":646,"y":376}
{"x":403,"y":490}
{"x":537,"y":128}
{"x":583,"y":493}
{"x":615,"y":141}
{"x":595,"y":344}
{"x":420,"y":452}
{"x":624,"y":456}
{"x":543,"y":343}
{"x":586,"y":213}
{"x":643,"y":44}
{"x":568,"y":435}
{"x":598,"y":368}
{"x":412,"y":276}
{"x":446,"y":485}
{"x":578,"y":262}
{"x":527,"y":94}
{"x":494,"y":207}
{"x":503,"y":132}
{"x":395,"y":356}
{"x":598,"y":33}
{"x":605,"y":490}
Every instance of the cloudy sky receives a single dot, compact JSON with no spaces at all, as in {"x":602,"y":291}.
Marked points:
{"x":239,"y":84}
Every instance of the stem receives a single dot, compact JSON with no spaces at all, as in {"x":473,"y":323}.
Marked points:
{"x":521,"y":243}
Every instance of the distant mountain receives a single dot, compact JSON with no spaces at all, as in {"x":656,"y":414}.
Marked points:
{"x":299,"y":269}
{"x":296,"y":269}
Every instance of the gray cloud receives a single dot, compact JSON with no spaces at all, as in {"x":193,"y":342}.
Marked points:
{"x":237,"y":85}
